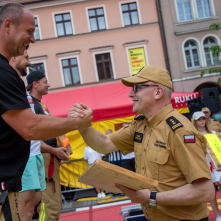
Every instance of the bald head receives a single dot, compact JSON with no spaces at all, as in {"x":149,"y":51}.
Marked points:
{"x":13,"y":11}
{"x":109,"y":131}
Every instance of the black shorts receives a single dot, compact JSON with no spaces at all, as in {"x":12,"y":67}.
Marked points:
{"x":9,"y":206}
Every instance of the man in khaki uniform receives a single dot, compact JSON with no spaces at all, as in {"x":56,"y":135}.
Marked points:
{"x":213,"y":125}
{"x":167,"y":148}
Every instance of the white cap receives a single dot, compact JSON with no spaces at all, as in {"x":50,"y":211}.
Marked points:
{"x":198,"y":115}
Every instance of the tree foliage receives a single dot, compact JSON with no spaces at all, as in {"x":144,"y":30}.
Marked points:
{"x":216,"y":49}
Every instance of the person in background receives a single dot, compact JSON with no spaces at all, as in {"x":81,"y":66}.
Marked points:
{"x":52,"y":154}
{"x":33,"y":178}
{"x":213,"y":125}
{"x":199,"y":121}
{"x":128,"y":161}
{"x":90,"y":155}
{"x":115,"y":156}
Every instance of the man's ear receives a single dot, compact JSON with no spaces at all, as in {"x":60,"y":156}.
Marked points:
{"x":159,"y":93}
{"x":34,"y":84}
{"x":8,"y":25}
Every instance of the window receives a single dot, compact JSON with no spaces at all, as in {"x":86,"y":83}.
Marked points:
{"x":191,"y":53}
{"x":63,"y":24}
{"x":104,"y":66}
{"x":130,"y":14}
{"x":210,"y":60}
{"x":37,"y":67}
{"x":184,"y":10}
{"x":36,"y":33}
{"x":70,"y":71}
{"x":96,"y":18}
{"x":203,"y":8}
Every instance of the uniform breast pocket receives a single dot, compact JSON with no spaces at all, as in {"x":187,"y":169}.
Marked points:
{"x":158,"y":166}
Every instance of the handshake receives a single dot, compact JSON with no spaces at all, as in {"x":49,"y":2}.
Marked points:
{"x":84,"y":115}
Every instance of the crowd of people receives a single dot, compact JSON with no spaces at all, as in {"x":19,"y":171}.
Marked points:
{"x":167,"y":146}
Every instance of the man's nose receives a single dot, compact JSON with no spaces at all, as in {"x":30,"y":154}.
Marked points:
{"x":131,"y":94}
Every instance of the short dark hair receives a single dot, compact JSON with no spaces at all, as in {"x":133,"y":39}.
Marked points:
{"x":12,"y":10}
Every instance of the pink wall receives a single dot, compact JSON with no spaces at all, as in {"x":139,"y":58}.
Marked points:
{"x":83,"y":40}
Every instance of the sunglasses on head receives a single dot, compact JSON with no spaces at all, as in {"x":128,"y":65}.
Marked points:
{"x":147,"y":85}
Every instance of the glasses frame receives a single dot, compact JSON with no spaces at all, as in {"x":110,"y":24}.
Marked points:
{"x":147,"y":85}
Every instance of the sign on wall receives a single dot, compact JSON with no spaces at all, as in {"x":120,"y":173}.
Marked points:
{"x":137,"y":59}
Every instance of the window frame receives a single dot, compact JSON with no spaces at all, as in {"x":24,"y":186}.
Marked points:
{"x":192,"y":12}
{"x":54,"y":22}
{"x":96,"y":52}
{"x":70,"y":56}
{"x":39,"y":28}
{"x":212,"y":10}
{"x":195,"y":11}
{"x":134,"y":46}
{"x":202,"y":45}
{"x":39,"y":60}
{"x":199,"y":48}
{"x":105,"y":17}
{"x":121,"y":12}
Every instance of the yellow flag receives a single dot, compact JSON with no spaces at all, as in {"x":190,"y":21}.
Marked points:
{"x":215,"y":145}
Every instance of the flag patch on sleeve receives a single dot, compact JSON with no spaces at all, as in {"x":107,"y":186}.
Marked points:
{"x":189,"y":139}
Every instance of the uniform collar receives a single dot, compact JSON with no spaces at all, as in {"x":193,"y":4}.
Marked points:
{"x":160,"y":115}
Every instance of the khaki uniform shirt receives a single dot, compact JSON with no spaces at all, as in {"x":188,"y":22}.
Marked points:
{"x":214,"y":125}
{"x":163,"y":153}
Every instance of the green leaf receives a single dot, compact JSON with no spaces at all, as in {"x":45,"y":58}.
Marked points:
{"x":219,"y":80}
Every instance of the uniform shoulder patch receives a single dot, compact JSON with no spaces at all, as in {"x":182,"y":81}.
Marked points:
{"x":173,"y":123}
{"x":139,"y":117}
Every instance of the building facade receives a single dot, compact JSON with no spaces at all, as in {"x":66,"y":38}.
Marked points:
{"x":188,"y":37}
{"x":88,"y":42}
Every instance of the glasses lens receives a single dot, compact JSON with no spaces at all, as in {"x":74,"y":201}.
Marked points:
{"x":135,"y":88}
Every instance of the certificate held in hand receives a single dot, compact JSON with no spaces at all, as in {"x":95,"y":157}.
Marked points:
{"x":103,"y":175}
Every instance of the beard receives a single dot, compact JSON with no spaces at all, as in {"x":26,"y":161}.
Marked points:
{"x":21,"y":69}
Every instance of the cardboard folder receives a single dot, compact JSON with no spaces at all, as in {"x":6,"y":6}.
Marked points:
{"x":103,"y":175}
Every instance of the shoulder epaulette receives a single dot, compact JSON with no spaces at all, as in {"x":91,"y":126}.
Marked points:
{"x":139,"y":117}
{"x":173,"y":123}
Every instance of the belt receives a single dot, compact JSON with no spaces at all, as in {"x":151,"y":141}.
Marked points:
{"x":204,"y":219}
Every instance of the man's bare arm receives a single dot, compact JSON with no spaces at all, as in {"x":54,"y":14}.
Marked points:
{"x":199,"y":191}
{"x":59,"y":152}
{"x":40,"y":127}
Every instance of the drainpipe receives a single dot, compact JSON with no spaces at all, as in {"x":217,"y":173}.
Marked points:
{"x":163,"y":37}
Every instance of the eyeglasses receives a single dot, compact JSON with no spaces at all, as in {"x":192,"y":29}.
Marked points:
{"x":135,"y":86}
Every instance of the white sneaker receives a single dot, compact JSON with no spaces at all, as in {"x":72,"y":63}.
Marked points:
{"x":99,"y":195}
{"x":218,"y":218}
{"x":103,"y":195}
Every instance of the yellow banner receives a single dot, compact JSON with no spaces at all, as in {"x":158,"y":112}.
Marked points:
{"x":215,"y":145}
{"x":137,"y":59}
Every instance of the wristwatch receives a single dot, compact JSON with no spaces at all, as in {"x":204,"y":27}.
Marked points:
{"x":152,"y":202}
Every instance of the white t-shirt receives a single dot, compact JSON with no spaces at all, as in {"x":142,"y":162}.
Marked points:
{"x":91,"y":155}
{"x":35,"y":145}
{"x":128,"y":156}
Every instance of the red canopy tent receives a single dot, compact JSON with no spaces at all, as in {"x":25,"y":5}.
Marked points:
{"x":108,"y":101}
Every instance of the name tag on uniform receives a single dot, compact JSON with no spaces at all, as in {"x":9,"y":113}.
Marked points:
{"x":138,"y":137}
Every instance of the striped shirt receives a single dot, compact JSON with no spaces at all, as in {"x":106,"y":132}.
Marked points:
{"x":114,"y":156}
